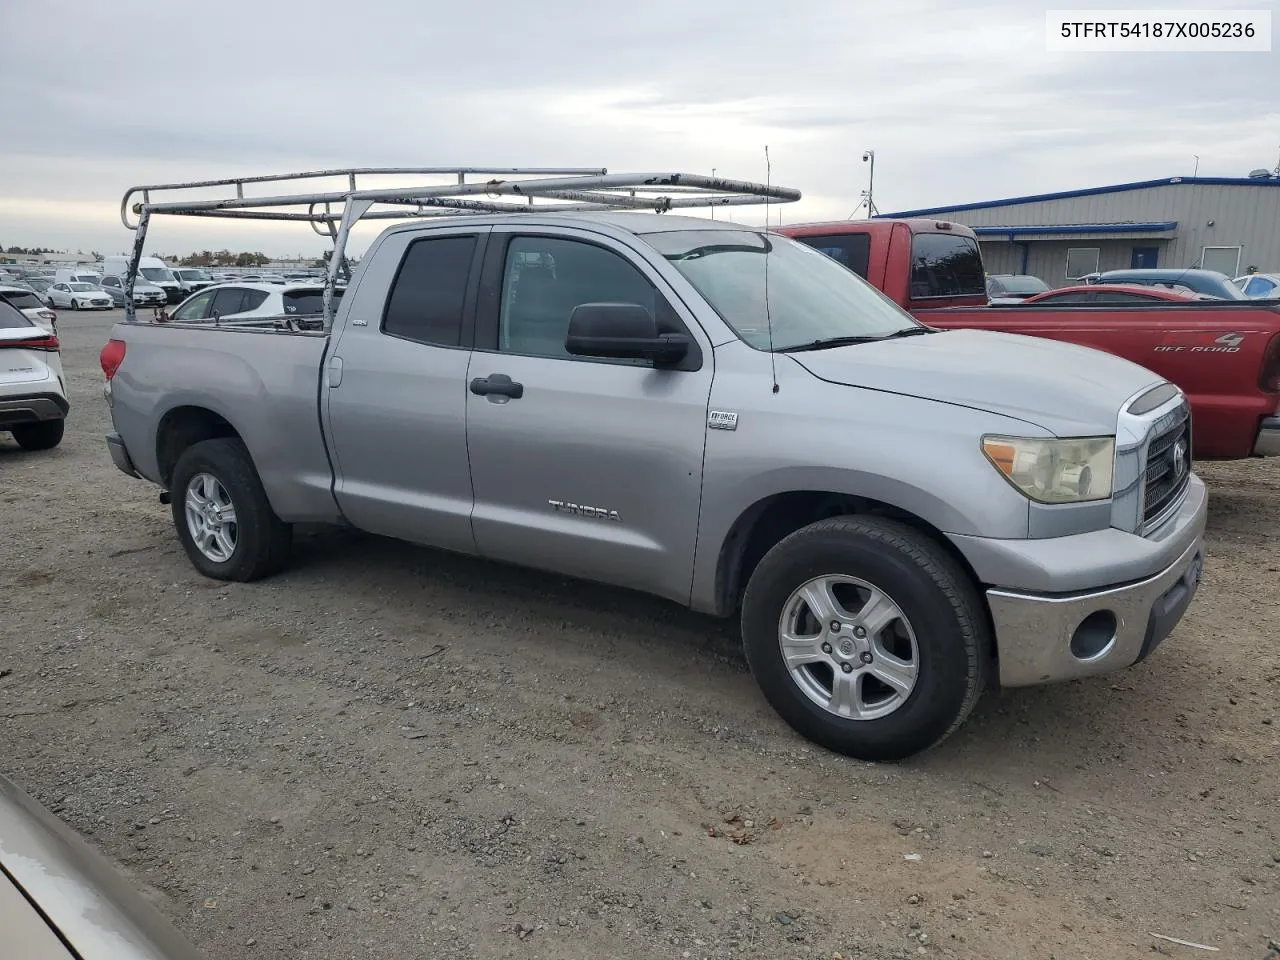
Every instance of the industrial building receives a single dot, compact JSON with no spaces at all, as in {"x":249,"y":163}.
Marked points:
{"x":1228,"y":224}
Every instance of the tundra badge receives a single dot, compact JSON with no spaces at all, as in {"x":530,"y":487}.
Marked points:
{"x":579,"y":510}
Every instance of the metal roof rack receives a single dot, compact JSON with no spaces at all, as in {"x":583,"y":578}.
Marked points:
{"x":332,"y":213}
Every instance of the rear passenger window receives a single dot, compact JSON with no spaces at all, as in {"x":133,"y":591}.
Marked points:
{"x":430,"y":291}
{"x":252,"y":300}
{"x":851,"y":249}
{"x":946,"y":265}
{"x":227,"y":301}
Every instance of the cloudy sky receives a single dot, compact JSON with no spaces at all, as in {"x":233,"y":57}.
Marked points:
{"x":960,"y":101}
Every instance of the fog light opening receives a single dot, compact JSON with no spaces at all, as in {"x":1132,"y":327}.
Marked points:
{"x":1095,"y":635}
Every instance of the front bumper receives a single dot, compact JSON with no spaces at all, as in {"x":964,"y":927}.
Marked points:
{"x":1268,"y":441}
{"x":1047,"y":637}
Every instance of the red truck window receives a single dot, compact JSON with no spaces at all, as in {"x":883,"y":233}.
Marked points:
{"x":851,"y":249}
{"x":946,"y":265}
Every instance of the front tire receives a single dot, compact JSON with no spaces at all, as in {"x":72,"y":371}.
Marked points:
{"x":222,"y":514}
{"x":866,"y":636}
{"x":44,"y":435}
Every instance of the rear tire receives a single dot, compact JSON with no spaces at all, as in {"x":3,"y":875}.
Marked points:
{"x":44,"y":435}
{"x":929,"y":637}
{"x":210,"y":478}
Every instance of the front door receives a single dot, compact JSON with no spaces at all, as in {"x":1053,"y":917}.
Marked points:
{"x":592,"y":468}
{"x":394,"y":389}
{"x":1144,"y":258}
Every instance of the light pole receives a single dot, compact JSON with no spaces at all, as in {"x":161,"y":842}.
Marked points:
{"x":868,"y":157}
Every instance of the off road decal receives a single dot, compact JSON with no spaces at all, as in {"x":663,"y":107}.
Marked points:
{"x":1200,"y":343}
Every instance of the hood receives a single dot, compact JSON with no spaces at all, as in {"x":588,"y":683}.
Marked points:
{"x":1063,"y":388}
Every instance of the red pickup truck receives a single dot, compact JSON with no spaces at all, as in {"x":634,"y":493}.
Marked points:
{"x":1225,"y":355}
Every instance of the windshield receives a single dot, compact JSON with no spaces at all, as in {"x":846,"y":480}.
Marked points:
{"x":811,"y":296}
{"x":81,"y":287}
{"x":155,"y":273}
{"x":193,"y":275}
{"x":1024,"y":285}
{"x":10,"y":318}
{"x":89,"y":278}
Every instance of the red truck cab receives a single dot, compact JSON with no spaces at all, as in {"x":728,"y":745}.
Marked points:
{"x":1224,"y":354}
{"x":919,"y":264}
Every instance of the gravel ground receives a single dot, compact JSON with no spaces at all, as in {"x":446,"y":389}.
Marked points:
{"x":391,"y":752}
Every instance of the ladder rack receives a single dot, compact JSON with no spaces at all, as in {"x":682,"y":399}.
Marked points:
{"x":332,"y":213}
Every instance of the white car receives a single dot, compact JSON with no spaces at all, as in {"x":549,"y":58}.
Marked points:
{"x":78,"y":296}
{"x":33,"y":397}
{"x":252,"y":300}
{"x":29,"y":302}
{"x":1259,"y":286}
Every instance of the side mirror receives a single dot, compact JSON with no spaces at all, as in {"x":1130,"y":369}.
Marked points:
{"x":625,"y":331}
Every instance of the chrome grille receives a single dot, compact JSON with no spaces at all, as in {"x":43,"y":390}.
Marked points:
{"x":1168,"y":471}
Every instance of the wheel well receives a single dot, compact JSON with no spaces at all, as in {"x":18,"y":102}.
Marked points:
{"x":180,"y":428}
{"x":768,"y":521}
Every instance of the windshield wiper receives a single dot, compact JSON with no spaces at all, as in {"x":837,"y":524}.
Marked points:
{"x":826,"y":342}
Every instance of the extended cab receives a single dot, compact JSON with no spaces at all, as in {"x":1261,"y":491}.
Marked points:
{"x":1224,"y":354}
{"x":705,"y":412}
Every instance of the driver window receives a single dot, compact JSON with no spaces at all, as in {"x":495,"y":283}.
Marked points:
{"x":545,"y":278}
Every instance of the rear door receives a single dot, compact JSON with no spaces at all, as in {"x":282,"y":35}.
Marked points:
{"x":584,"y":466}
{"x":395,"y":385}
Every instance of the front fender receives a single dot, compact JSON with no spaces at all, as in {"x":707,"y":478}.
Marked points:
{"x":916,"y":455}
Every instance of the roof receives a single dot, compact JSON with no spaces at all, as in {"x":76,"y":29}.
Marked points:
{"x":1164,"y":226}
{"x":266,"y":285}
{"x":632,"y":222}
{"x":1157,"y":273}
{"x":1091,"y":192}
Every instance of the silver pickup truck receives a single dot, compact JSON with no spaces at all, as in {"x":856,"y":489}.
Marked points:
{"x":704,"y":411}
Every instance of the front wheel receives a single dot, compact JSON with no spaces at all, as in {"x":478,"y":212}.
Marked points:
{"x":222,"y":514}
{"x":866,"y":636}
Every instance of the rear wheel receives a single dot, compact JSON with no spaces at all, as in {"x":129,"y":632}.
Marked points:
{"x":866,"y":636}
{"x":222,"y":514}
{"x":44,"y":435}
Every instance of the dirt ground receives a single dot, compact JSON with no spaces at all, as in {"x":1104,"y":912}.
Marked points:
{"x":390,"y":752}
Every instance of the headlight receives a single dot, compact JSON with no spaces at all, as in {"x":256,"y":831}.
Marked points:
{"x":1055,"y":471}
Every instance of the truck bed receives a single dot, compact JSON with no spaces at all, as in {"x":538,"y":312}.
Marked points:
{"x":262,"y":380}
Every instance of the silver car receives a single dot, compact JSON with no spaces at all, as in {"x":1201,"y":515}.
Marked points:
{"x":144,"y":294}
{"x":62,"y":900}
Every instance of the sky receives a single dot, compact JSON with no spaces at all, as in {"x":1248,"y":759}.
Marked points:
{"x":960,"y":102}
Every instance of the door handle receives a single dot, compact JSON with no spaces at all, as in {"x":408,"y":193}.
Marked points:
{"x":497,"y":385}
